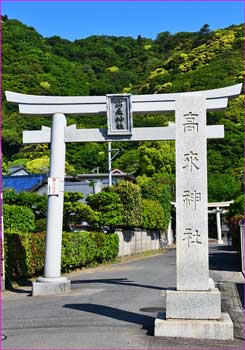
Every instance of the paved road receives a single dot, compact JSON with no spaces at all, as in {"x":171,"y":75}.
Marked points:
{"x":112,"y":307}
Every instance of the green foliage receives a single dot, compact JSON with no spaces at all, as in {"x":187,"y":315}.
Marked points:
{"x":98,"y":65}
{"x":25,"y":252}
{"x":78,"y":212}
{"x":129,"y":161}
{"x":158,"y":188}
{"x":130,"y":197}
{"x":235,"y":215}
{"x":24,"y":255}
{"x":108,"y":205}
{"x":236,"y":208}
{"x":222,"y":187}
{"x":40,"y":225}
{"x":107,"y":246}
{"x":18,"y":218}
{"x":38,"y":165}
{"x":156,"y":157}
{"x":78,"y":249}
{"x":72,"y":196}
{"x":153,"y":214}
{"x":38,"y":204}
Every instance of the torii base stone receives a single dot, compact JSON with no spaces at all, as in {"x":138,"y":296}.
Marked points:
{"x":52,"y":286}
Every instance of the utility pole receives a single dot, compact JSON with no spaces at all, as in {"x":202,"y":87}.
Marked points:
{"x":109,"y":163}
{"x":110,"y":159}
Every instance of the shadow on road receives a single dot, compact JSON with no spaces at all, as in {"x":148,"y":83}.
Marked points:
{"x":147,"y":322}
{"x":119,"y":281}
{"x":225,"y":259}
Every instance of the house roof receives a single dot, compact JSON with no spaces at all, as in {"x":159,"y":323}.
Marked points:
{"x":23,"y":182}
{"x":15,"y":169}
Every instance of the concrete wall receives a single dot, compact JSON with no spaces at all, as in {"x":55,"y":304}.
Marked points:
{"x":134,"y":241}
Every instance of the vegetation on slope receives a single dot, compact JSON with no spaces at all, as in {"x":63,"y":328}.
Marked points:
{"x":99,"y":65}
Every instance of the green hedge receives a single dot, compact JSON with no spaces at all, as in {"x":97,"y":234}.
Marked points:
{"x":25,"y":252}
{"x":18,"y":218}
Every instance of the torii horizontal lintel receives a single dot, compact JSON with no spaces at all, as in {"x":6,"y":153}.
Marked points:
{"x":137,"y":108}
{"x":32,"y":104}
{"x":100,"y":135}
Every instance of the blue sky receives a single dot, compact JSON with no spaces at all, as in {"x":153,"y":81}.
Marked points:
{"x":79,"y":19}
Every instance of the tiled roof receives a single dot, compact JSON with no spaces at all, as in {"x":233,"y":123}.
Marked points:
{"x":23,"y":182}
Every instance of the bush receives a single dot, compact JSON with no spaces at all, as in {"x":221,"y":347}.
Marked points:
{"x":25,"y":252}
{"x":77,"y":212}
{"x":18,"y":218}
{"x":109,"y":206}
{"x":33,"y":201}
{"x":78,"y":249}
{"x":237,"y":208}
{"x":153,"y":215}
{"x":24,"y":255}
{"x":107,"y":246}
{"x":235,"y":215}
{"x":131,"y":200}
{"x":40,"y":225}
{"x":158,"y":188}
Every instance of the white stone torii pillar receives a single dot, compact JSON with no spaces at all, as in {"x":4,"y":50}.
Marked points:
{"x":220,"y":240}
{"x":193,"y":282}
{"x":218,"y":209}
{"x":170,"y":232}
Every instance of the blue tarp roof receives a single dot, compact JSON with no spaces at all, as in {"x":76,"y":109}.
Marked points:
{"x":23,"y":182}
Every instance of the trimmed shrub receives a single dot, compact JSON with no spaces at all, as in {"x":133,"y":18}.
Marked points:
{"x":109,"y":206}
{"x":25,"y":252}
{"x":153,"y":215}
{"x":107,"y":246}
{"x":18,"y":219}
{"x":40,"y":225}
{"x":158,"y":188}
{"x":78,"y":249}
{"x":34,"y":201}
{"x":77,"y":212}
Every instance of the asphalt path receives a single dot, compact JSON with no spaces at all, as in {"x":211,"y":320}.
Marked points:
{"x":113,"y":306}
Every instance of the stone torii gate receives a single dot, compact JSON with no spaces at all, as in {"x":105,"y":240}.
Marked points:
{"x":196,"y":302}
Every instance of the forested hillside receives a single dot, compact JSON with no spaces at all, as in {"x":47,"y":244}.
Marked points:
{"x":99,"y":65}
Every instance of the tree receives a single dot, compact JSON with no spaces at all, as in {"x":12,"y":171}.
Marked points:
{"x":130,"y":197}
{"x":205,"y":29}
{"x":75,"y":213}
{"x":158,"y":188}
{"x":153,"y":215}
{"x":222,"y":187}
{"x":156,"y":157}
{"x":109,"y":206}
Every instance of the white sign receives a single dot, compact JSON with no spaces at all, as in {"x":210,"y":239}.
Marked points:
{"x":53,"y":186}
